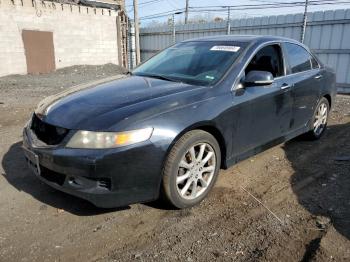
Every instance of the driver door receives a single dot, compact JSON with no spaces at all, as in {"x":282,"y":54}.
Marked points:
{"x":262,"y":112}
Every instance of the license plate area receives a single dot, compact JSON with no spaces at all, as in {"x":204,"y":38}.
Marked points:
{"x":32,"y":161}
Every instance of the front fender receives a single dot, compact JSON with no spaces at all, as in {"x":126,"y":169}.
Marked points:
{"x":212,"y":115}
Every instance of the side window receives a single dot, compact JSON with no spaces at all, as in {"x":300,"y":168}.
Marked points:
{"x":269,"y":58}
{"x":314,"y":63}
{"x":299,"y":58}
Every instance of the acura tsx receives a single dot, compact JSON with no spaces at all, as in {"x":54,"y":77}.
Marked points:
{"x":166,"y":128}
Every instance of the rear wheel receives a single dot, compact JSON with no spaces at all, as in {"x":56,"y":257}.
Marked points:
{"x":191,"y":169}
{"x":319,"y":120}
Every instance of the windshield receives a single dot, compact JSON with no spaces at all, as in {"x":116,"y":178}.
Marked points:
{"x":197,"y":62}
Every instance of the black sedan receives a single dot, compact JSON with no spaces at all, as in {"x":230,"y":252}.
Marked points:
{"x":169,"y":126}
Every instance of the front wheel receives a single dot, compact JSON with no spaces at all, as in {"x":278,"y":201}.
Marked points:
{"x":191,"y":169}
{"x":319,"y":120}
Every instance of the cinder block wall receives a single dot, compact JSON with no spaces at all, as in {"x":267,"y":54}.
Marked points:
{"x":81,"y":35}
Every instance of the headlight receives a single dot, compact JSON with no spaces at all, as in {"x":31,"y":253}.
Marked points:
{"x":89,"y":139}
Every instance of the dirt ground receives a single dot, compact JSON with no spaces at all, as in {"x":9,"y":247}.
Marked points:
{"x":305,"y":185}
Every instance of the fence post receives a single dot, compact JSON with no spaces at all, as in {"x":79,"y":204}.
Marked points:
{"x":174,"y":29}
{"x":228,"y":20}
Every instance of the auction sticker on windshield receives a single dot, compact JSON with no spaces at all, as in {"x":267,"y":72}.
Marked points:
{"x":226,"y":48}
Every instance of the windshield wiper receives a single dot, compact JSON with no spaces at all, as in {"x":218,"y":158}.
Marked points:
{"x":162,"y":77}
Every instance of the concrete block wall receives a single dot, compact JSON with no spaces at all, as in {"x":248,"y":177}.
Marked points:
{"x":81,"y":35}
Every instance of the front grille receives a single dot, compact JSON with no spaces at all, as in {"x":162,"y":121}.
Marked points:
{"x":47,"y":133}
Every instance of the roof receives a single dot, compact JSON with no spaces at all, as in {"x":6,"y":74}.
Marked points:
{"x":243,"y":38}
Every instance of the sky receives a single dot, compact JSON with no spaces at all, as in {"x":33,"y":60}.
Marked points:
{"x":150,"y":7}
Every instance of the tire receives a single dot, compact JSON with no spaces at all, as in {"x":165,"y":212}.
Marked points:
{"x":186,"y":182}
{"x":317,"y":130}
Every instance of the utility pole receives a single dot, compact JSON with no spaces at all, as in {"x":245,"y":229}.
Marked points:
{"x":186,"y":12}
{"x":137,"y":32}
{"x":228,"y":20}
{"x":304,"y":22}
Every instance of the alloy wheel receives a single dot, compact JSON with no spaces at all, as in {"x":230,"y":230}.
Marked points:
{"x":196,"y":171}
{"x":320,"y":120}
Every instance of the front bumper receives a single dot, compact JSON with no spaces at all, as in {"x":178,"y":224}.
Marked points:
{"x":107,"y":178}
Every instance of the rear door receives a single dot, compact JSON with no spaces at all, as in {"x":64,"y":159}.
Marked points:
{"x":305,"y":75}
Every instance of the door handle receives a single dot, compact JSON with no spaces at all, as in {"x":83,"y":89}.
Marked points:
{"x":285,"y":86}
{"x":318,"y":77}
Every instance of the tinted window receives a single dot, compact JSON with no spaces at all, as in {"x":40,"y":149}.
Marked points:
{"x":314,"y":63}
{"x":267,"y":59}
{"x":197,"y":62}
{"x":299,"y":58}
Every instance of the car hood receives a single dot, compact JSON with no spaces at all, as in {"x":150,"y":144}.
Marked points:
{"x":98,"y":106}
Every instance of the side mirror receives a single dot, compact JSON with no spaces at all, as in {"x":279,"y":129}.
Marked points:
{"x":258,"y":78}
